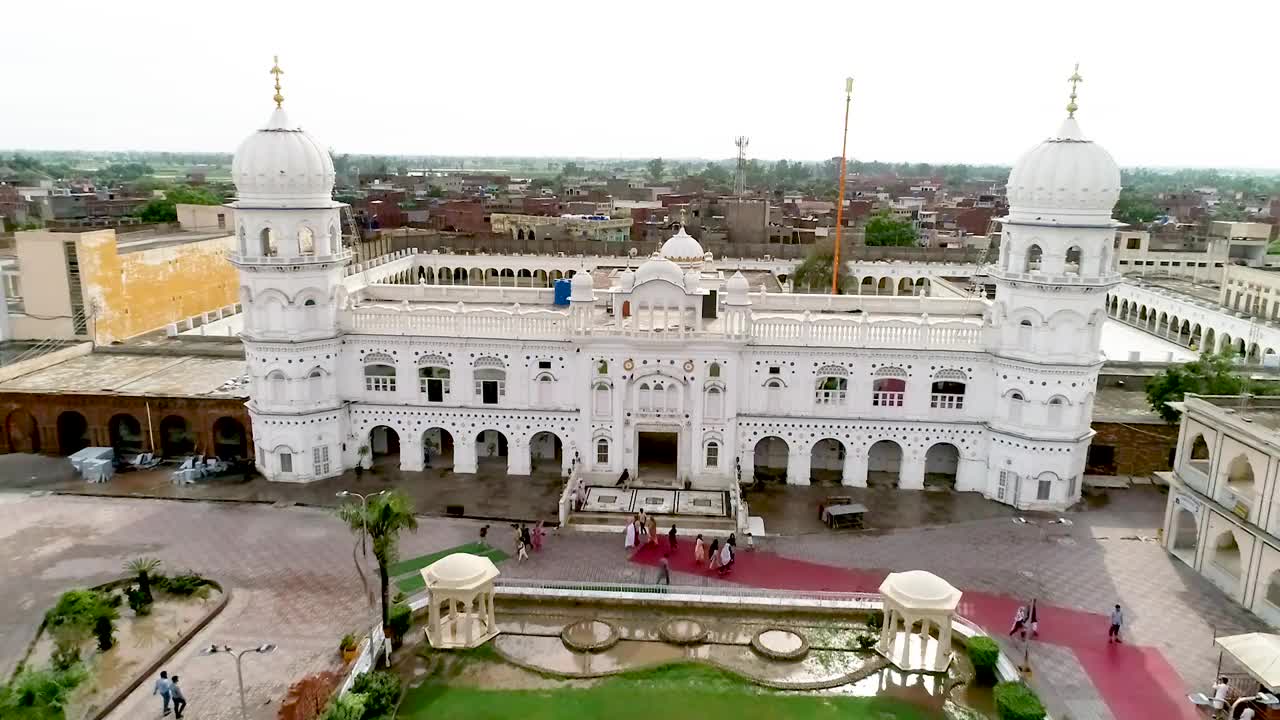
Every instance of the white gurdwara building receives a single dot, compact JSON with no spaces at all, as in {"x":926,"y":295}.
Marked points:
{"x":676,"y":370}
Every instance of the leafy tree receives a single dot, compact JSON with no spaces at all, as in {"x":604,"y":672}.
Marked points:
{"x":814,"y":273}
{"x":144,"y":568}
{"x":717,"y":175}
{"x":653,"y":169}
{"x":385,"y":516}
{"x":435,"y":191}
{"x":572,"y":169}
{"x":165,"y":209}
{"x":1134,"y":209}
{"x":1209,"y":374}
{"x":883,"y":229}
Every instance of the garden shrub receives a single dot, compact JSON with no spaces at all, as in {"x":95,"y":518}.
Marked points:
{"x":345,"y":707}
{"x":186,"y":584}
{"x":1016,"y":701}
{"x":103,"y":630}
{"x":875,"y":620}
{"x":139,"y":601}
{"x":866,"y":641}
{"x":399,"y":620}
{"x":984,"y":653}
{"x":81,"y":609}
{"x":39,"y":694}
{"x":381,"y":691}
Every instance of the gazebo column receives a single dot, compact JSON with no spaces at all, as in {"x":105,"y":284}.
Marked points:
{"x":493,"y":623}
{"x":944,"y":643}
{"x":433,"y":619}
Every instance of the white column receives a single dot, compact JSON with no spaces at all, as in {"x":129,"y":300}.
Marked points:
{"x":464,"y":453}
{"x":798,"y":465}
{"x":411,"y":458}
{"x":433,"y":618}
{"x":971,"y":475}
{"x":911,"y":471}
{"x":517,"y":456}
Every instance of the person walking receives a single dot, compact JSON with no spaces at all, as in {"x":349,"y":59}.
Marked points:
{"x":1019,"y":622}
{"x":179,"y":700}
{"x":714,"y":554}
{"x":1033,"y":619}
{"x":1117,"y":619}
{"x":164,"y":688}
{"x":671,"y":537}
{"x":522,"y":550}
{"x":526,"y":536}
{"x":726,"y":557}
{"x":631,"y":535}
{"x":664,"y":573}
{"x":536,"y":536}
{"x":699,"y":551}
{"x":652,"y":531}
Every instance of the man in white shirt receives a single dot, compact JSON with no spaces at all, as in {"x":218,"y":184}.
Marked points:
{"x":1220,"y":691}
{"x":1247,"y":714}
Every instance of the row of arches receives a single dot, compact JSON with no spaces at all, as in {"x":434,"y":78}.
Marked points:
{"x":1183,"y":331}
{"x":174,"y":436}
{"x":491,"y":277}
{"x":268,"y":241}
{"x":827,"y":462}
{"x":491,"y":447}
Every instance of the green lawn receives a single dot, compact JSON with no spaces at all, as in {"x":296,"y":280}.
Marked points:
{"x":681,"y":692}
{"x":409,"y":580}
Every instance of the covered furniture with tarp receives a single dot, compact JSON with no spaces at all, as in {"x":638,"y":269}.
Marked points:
{"x":94,"y":464}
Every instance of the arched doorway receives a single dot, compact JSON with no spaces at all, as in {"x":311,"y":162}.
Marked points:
{"x":770,"y":460}
{"x":125,"y":433}
{"x":941,"y":463}
{"x":23,"y":432}
{"x":884,"y":464}
{"x":545,"y":453}
{"x":176,"y":437}
{"x":230,"y":442}
{"x":1225,"y":562}
{"x":1186,"y":537}
{"x":491,"y":449}
{"x":437,"y":449}
{"x":73,"y":432}
{"x":826,"y":462}
{"x":384,"y":446}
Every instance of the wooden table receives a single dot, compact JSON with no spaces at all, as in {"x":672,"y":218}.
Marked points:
{"x":847,"y":515}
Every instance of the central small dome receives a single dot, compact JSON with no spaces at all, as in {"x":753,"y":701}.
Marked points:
{"x":659,"y":268}
{"x":1064,"y":178}
{"x":280,"y":164}
{"x":682,"y":249}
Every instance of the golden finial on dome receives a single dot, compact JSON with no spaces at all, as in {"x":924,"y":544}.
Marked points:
{"x":1075,"y":79}
{"x":275,"y":70}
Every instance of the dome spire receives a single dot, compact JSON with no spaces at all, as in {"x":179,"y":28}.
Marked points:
{"x":1075,"y":79}
{"x":275,"y":70}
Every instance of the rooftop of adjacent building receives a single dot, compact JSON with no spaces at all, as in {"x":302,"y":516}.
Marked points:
{"x":164,"y":374}
{"x":1257,"y":414}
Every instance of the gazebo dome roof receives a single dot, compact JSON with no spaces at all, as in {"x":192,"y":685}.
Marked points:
{"x":459,"y":571}
{"x":282,"y":164}
{"x":659,"y":268}
{"x":1066,"y":175}
{"x":682,"y":248}
{"x":920,"y":590}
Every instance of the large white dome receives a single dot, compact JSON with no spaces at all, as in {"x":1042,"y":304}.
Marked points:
{"x":659,"y":268}
{"x":282,"y":165}
{"x":683,"y":249}
{"x":1064,"y":179}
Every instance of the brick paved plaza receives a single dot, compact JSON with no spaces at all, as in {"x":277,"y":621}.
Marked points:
{"x":290,"y":573}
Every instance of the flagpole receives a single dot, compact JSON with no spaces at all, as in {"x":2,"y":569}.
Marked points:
{"x":844,"y":146}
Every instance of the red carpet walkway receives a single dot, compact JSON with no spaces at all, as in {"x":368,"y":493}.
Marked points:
{"x":1136,"y":682}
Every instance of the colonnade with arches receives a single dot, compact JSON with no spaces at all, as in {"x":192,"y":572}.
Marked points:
{"x":412,"y":444}
{"x":1252,"y":346}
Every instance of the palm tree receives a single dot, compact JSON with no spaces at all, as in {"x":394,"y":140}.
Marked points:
{"x":384,"y":516}
{"x":144,"y":568}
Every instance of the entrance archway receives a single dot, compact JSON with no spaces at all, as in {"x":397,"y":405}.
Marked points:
{"x":546,"y":453}
{"x":125,"y":433}
{"x":73,"y":432}
{"x":826,"y":462}
{"x":384,"y":446}
{"x":884,"y":464}
{"x":23,"y":432}
{"x":230,"y":442}
{"x":176,"y":437}
{"x":771,"y":454}
{"x":1186,"y":537}
{"x":941,"y":463}
{"x":491,"y":449}
{"x":658,"y":454}
{"x":437,"y":449}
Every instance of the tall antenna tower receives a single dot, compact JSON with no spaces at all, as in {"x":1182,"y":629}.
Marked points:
{"x":740,"y":179}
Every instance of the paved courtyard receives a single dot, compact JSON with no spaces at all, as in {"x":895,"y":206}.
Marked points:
{"x":292,"y":581}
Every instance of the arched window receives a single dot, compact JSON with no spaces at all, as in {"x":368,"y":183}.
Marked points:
{"x":244,"y":241}
{"x":1016,"y":401}
{"x":713,"y":454}
{"x":490,"y":380}
{"x":601,"y":404}
{"x":306,"y":241}
{"x":334,"y":242}
{"x":602,"y":368}
{"x":602,"y":452}
{"x":1073,"y":261}
{"x":433,"y":377}
{"x":773,"y":391}
{"x":714,"y":370}
{"x":277,"y":387}
{"x":1056,"y":406}
{"x":1034,"y":256}
{"x":1199,"y":454}
{"x":644,"y":397}
{"x":947,"y":391}
{"x":715,"y":403}
{"x":832,"y":385}
{"x":267,"y":243}
{"x":545,"y":388}
{"x":380,"y":378}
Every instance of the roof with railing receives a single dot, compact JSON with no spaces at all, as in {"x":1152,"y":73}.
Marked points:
{"x":1258,"y":414}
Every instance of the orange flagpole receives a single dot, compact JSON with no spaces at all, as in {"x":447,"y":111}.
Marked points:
{"x":844,"y":146}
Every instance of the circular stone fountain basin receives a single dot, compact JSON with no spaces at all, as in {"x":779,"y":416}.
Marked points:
{"x":683,"y":631}
{"x":780,"y":644}
{"x":589,"y":636}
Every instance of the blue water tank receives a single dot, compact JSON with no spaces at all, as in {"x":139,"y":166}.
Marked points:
{"x":564,"y":288}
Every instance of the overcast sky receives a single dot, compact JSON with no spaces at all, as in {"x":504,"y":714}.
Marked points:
{"x":1166,"y":83}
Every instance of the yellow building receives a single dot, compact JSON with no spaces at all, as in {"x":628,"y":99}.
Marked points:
{"x":105,"y":287}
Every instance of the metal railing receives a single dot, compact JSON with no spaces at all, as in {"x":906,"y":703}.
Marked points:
{"x":710,"y":592}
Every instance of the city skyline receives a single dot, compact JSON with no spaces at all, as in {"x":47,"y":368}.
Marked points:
{"x":671,"y":81}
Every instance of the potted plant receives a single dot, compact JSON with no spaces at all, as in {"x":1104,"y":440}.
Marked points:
{"x":349,"y":647}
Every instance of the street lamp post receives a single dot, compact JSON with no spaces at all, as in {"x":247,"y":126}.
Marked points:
{"x":238,"y":655}
{"x":364,"y":533}
{"x":1026,"y":643}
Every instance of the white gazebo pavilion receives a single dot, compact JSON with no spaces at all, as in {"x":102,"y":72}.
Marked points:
{"x":914,"y":597}
{"x":465,"y":582}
